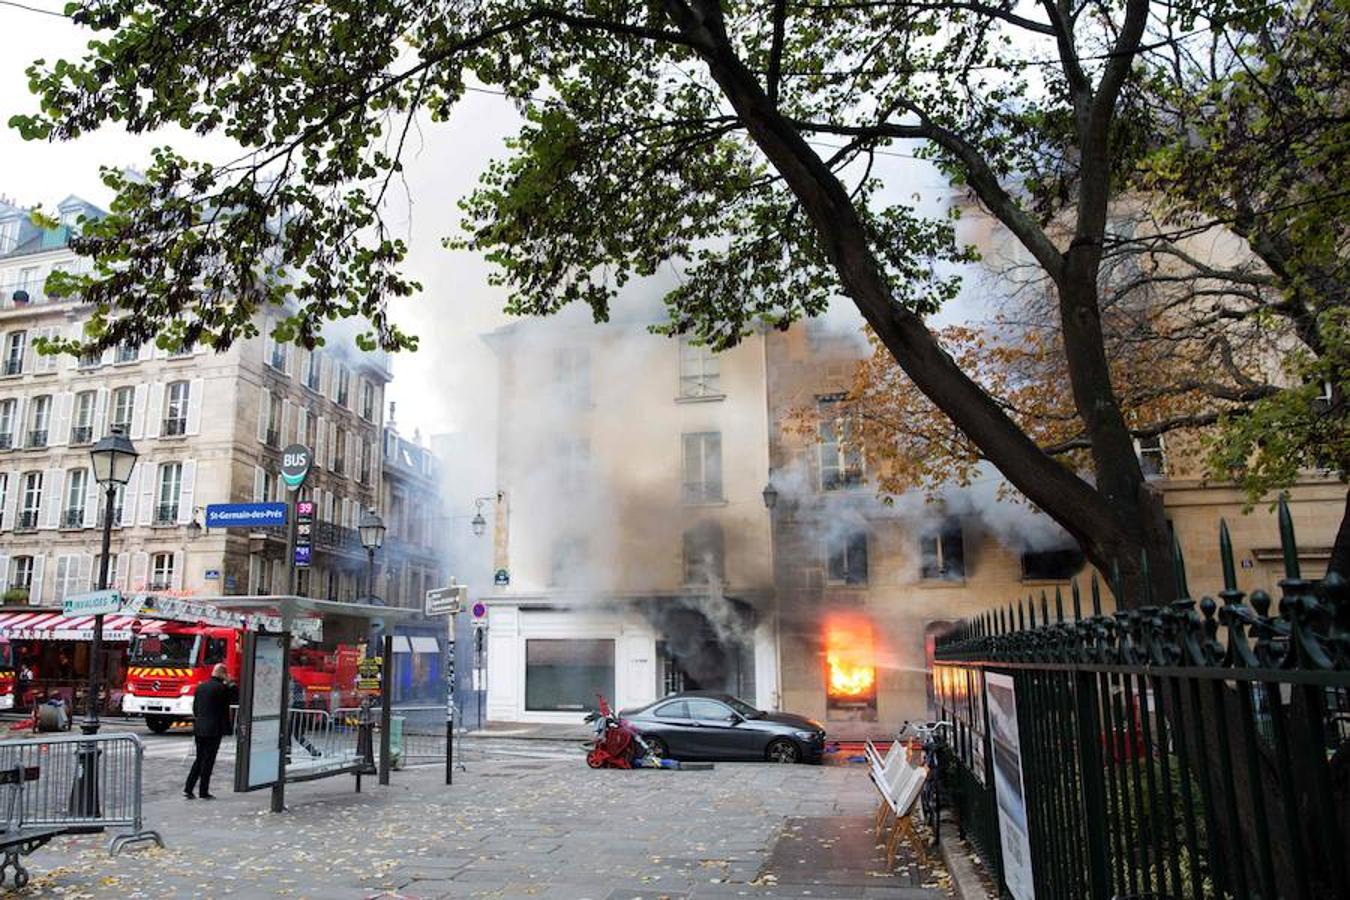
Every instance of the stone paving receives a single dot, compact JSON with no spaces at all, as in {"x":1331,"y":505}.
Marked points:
{"x":510,"y":827}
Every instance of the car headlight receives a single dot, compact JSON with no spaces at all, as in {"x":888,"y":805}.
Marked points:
{"x":806,"y":735}
{"x":185,"y":689}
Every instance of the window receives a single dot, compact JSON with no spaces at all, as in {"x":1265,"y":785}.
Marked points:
{"x":344,"y":383}
{"x":1152,"y":456}
{"x":278,"y":357}
{"x":119,"y":495}
{"x":38,"y":420}
{"x":8,"y":410}
{"x":82,"y":422}
{"x":269,"y":488}
{"x":90,"y":360}
{"x":215,"y":651}
{"x":704,"y":554}
{"x":30,"y":280}
{"x":31,"y":500}
{"x":700,"y":374}
{"x":170,"y":484}
{"x":703,"y":710}
{"x":943,"y":555}
{"x":572,"y":376}
{"x":841,"y":459}
{"x":702,"y":467}
{"x":573,"y":459}
{"x":9,"y":235}
{"x":340,"y":452}
{"x":273,"y":420}
{"x":112,"y":569}
{"x":22,"y":579}
{"x":367,"y":401}
{"x":123,"y":403}
{"x":363,"y":474}
{"x":161,"y":572}
{"x":15,"y":344}
{"x":848,"y":558}
{"x":312,"y":369}
{"x":77,"y":481}
{"x":127,"y":352}
{"x":175,"y":409}
{"x":565,"y":675}
{"x":1059,"y":564}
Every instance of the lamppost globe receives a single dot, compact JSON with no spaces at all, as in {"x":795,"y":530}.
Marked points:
{"x":770,"y":496}
{"x":372,"y":530}
{"x":113,"y":458}
{"x":479,"y":524}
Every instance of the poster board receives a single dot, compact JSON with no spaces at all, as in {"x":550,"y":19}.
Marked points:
{"x":1009,"y":788}
{"x":258,"y":735}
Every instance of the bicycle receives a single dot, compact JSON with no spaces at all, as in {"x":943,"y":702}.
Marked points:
{"x":931,"y":738}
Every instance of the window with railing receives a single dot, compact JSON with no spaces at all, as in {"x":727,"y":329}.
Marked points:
{"x":170,"y":488}
{"x":161,"y":572}
{"x":702,"y":467}
{"x":1152,"y":456}
{"x":127,"y":352}
{"x":8,"y":412}
{"x":700,"y":373}
{"x":942,"y":555}
{"x":31,"y":501}
{"x":312,"y":370}
{"x":15,"y":345}
{"x":91,"y":360}
{"x":123,"y":404}
{"x":4,"y":496}
{"x":273,"y":420}
{"x":344,"y":384}
{"x":847,"y":558}
{"x":841,"y":457}
{"x":367,"y":401}
{"x":21,"y":575}
{"x":82,"y":419}
{"x":278,"y":358}
{"x":175,"y":409}
{"x":77,"y":482}
{"x":38,"y":420}
{"x":363,"y":474}
{"x":340,"y":452}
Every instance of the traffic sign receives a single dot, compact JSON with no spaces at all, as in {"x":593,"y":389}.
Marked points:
{"x":245,"y":515}
{"x":94,"y":603}
{"x":446,"y":600}
{"x":295,"y":461}
{"x":479,"y":610}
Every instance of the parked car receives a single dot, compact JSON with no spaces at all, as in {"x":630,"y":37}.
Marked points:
{"x":713,"y":726}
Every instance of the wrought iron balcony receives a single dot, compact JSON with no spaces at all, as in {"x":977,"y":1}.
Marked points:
{"x":6,"y":441}
{"x":166,"y":514}
{"x":14,"y":366}
{"x":273,"y":437}
{"x":116,"y":517}
{"x":37,"y":439}
{"x":82,"y":434}
{"x":175,"y":427}
{"x":28,"y":520}
{"x":73,"y":517}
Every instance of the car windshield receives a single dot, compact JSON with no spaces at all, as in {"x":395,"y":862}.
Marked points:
{"x":745,"y":709}
{"x":158,"y":649}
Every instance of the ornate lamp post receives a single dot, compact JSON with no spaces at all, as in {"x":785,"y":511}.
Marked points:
{"x":372,"y":530}
{"x":113,"y":458}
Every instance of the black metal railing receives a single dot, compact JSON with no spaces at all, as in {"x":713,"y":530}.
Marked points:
{"x":14,"y":366}
{"x":166,"y":513}
{"x":82,"y":434}
{"x":37,"y":438}
{"x":28,"y":520}
{"x":116,"y":516}
{"x":73,"y":517}
{"x":1192,"y":750}
{"x":328,"y":536}
{"x":174,"y":427}
{"x":273,"y":437}
{"x":6,"y":441}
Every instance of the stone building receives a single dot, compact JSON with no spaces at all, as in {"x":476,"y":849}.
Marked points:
{"x":209,"y":428}
{"x":413,"y":558}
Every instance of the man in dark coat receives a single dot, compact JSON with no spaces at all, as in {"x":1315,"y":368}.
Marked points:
{"x":210,"y":722}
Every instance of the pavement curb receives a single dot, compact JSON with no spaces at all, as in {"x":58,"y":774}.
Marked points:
{"x":967,"y":881}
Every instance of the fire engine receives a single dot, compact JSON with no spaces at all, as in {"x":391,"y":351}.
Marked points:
{"x":179,"y":642}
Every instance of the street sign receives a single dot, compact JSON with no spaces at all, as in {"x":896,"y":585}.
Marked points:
{"x":245,"y":515}
{"x":479,"y":611}
{"x":212,"y":574}
{"x":446,"y":600}
{"x":94,"y":603}
{"x":304,"y":518}
{"x":502,"y":578}
{"x":295,"y":462}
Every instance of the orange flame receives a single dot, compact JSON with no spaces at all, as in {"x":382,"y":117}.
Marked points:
{"x":849,"y":658}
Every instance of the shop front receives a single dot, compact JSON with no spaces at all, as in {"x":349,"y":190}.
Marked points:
{"x":51,"y":653}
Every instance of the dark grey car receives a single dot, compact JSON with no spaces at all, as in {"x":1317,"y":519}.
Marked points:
{"x":713,"y":726}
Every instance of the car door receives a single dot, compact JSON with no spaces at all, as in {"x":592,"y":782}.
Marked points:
{"x":670,"y":723}
{"x":716,"y":730}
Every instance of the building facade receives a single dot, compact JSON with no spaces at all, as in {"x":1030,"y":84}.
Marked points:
{"x":209,"y":428}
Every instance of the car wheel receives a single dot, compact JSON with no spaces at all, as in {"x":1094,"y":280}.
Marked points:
{"x":657,"y":747}
{"x":783,"y":751}
{"x":158,"y":724}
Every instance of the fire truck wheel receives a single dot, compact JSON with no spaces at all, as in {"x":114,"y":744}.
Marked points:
{"x":783,"y":751}
{"x":158,"y":724}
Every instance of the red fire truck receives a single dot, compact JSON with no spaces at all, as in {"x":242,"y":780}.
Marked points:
{"x":176,"y":650}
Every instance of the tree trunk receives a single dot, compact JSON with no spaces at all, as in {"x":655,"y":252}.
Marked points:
{"x":1340,"y":550}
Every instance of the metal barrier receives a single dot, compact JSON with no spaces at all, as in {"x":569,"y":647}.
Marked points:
{"x":72,"y":784}
{"x":417,"y":732}
{"x":319,"y":744}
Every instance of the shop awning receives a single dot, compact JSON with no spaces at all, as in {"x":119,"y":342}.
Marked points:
{"x":53,"y":626}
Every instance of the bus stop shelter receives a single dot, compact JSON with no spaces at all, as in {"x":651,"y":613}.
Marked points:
{"x":268,"y":730}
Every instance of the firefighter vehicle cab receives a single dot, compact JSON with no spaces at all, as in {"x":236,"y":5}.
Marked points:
{"x":167,"y":663}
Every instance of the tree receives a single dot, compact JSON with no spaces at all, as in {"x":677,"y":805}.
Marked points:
{"x":734,"y":142}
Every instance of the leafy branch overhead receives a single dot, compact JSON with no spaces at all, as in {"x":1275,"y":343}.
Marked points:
{"x":740,"y":145}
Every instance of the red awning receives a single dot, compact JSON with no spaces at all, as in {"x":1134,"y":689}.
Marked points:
{"x":54,"y":626}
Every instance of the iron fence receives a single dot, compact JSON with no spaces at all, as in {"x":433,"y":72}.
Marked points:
{"x":1197,"y":750}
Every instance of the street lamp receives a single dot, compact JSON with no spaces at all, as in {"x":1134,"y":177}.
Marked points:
{"x":770,"y":496}
{"x":113,"y":458}
{"x":371,"y":528}
{"x":478,"y":523}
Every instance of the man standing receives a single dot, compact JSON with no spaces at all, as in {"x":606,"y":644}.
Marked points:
{"x":210,"y":722}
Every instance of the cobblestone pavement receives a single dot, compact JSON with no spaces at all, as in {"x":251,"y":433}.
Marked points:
{"x":526,"y":819}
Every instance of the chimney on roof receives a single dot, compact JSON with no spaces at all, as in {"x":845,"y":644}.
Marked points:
{"x":392,"y":406}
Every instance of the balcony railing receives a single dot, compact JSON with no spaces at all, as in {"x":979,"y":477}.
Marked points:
{"x":28,"y":520}
{"x":339,"y":466}
{"x":127,"y":353}
{"x":328,"y":536}
{"x":6,"y":441}
{"x":177,"y":427}
{"x":13,"y":366}
{"x":343,"y":395}
{"x":166,"y":514}
{"x":37,"y":439}
{"x":273,"y":437}
{"x":116,"y":517}
{"x":73,"y":517}
{"x":82,"y":434}
{"x":312,"y":380}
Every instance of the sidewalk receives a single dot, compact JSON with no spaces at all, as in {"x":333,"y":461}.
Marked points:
{"x":531,"y":731}
{"x":508,"y":828}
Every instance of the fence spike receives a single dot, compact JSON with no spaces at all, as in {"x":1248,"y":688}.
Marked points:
{"x":1287,"y":543}
{"x":1179,"y":568}
{"x":1021,"y":617}
{"x":1077,"y":600}
{"x":1059,"y":604}
{"x":1031,"y":604}
{"x":1225,"y":558}
{"x":1045,"y":609}
{"x":1096,"y":595}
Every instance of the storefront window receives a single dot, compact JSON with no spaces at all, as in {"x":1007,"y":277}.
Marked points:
{"x":565,"y":675}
